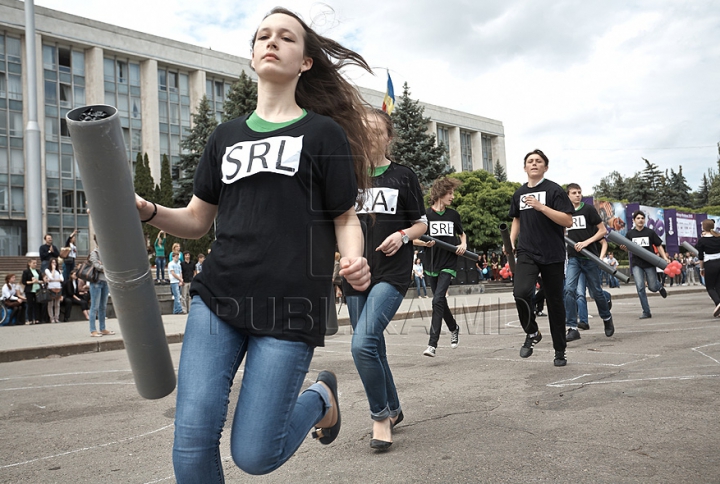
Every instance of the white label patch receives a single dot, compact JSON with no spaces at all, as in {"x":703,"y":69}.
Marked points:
{"x":642,"y":241}
{"x":380,"y":200}
{"x":578,"y":223}
{"x":442,"y":229}
{"x":540,"y":196}
{"x":280,"y":155}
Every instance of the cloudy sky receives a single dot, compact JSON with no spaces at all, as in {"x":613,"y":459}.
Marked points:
{"x":597,"y":85}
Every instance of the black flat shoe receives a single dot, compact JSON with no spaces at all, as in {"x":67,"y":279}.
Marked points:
{"x":400,"y":418}
{"x":379,"y":444}
{"x":328,"y":435}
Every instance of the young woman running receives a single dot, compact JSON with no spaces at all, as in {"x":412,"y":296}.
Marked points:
{"x":391,"y":215}
{"x":282,"y":183}
{"x":709,"y":259}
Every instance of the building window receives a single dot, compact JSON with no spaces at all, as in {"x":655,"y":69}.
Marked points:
{"x":64,"y":83}
{"x":122,"y":90}
{"x":217,"y":91}
{"x":443,"y":138}
{"x":466,"y":150}
{"x":12,"y":161}
{"x":487,"y":153}
{"x":174,"y":115}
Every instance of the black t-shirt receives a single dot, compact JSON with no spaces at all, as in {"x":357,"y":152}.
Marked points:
{"x":645,"y":238}
{"x":708,"y":246}
{"x":541,"y":238}
{"x":446,"y":227}
{"x":396,"y":201}
{"x":585,"y":222}
{"x":188,"y":268}
{"x":277,"y":195}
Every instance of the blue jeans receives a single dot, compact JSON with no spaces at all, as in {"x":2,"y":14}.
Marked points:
{"x":576,"y":267}
{"x":369,"y":315}
{"x":270,"y":421}
{"x":420,"y":281}
{"x":160,"y":268}
{"x":68,"y":267}
{"x":641,"y":275}
{"x":177,"y":305}
{"x":98,"y":303}
{"x":581,"y":299}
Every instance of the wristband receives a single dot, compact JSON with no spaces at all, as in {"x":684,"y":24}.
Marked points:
{"x":153,"y":214}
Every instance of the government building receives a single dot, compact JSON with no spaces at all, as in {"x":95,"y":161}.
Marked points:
{"x":156,"y":84}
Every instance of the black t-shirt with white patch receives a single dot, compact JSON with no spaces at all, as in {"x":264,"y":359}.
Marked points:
{"x":585,"y":222}
{"x":396,"y":201}
{"x":645,"y":238}
{"x":446,"y":227}
{"x":541,"y":238}
{"x":277,"y":195}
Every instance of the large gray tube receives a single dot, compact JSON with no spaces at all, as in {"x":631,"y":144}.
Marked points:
{"x":601,"y":263}
{"x":689,"y":248}
{"x":449,"y":247}
{"x":637,"y":250}
{"x":505,"y":234}
{"x":107,"y":180}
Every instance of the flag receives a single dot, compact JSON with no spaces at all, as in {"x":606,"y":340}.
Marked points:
{"x":389,"y":101}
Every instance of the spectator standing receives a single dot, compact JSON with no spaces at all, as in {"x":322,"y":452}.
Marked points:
{"x":176,"y":250}
{"x":160,"y":258}
{"x":54,"y":280}
{"x":690,"y":262}
{"x":176,"y":280}
{"x":31,"y":280}
{"x":612,"y":262}
{"x":419,"y":278}
{"x":69,"y":261}
{"x":47,"y":252}
{"x":98,"y":295}
{"x":198,"y":266}
{"x":13,"y":300}
{"x":188,"y":272}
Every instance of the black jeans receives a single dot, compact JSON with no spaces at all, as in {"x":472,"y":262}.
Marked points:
{"x":712,"y":280}
{"x":553,"y":276}
{"x":441,"y":310}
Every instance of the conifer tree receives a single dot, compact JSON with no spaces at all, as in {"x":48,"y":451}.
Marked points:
{"x":413,"y":146}
{"x":499,"y":172}
{"x":192,"y":145}
{"x":679,"y":189}
{"x":166,"y":187}
{"x":242,"y":98}
{"x":143,"y":178}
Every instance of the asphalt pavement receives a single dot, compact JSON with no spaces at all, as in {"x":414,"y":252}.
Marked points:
{"x":640,"y":406}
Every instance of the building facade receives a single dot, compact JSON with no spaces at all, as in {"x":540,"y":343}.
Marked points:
{"x":156,"y":84}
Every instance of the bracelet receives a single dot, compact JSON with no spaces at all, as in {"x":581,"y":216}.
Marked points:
{"x":153,"y":214}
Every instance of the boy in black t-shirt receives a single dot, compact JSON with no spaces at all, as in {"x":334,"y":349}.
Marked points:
{"x":586,"y":231}
{"x":440,"y":265}
{"x":642,"y":270}
{"x":542,"y":209}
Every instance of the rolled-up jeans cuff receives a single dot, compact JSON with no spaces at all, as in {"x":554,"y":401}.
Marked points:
{"x":324,"y":395}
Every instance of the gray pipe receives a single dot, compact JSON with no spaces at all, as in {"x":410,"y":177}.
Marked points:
{"x":637,"y":250}
{"x":505,"y":234}
{"x":100,"y":153}
{"x":689,"y":248}
{"x":601,"y":263}
{"x":449,"y":247}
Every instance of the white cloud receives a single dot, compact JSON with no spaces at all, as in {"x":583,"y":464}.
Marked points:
{"x":596,"y":85}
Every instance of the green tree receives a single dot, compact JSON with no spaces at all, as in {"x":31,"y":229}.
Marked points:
{"x":483,"y":203}
{"x":700,"y":198}
{"x":166,"y":186}
{"x":613,"y":187}
{"x":499,"y":172}
{"x":193,"y":145}
{"x":242,"y":98}
{"x":143,"y":181}
{"x":413,"y":146}
{"x":678,"y":188}
{"x":714,"y":188}
{"x":650,"y":182}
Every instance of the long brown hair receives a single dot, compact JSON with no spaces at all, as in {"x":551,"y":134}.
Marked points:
{"x":708,"y":225}
{"x":325,"y":91}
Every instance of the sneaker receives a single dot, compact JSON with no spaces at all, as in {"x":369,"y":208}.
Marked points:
{"x":539,"y":313}
{"x":572,"y":335}
{"x":717,"y":311}
{"x":560,"y":359}
{"x":430,"y":351}
{"x":645,"y":316}
{"x":609,"y":327}
{"x":454,"y":338}
{"x":610,"y":303}
{"x":527,"y":347}
{"x":583,"y":326}
{"x":663,"y":292}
